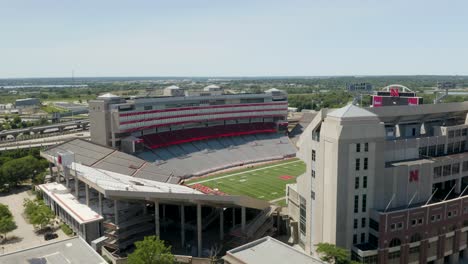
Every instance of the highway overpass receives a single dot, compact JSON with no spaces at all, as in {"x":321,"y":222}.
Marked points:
{"x":13,"y":133}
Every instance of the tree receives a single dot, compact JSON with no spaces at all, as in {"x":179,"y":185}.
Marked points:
{"x":7,"y":224}
{"x":151,"y":251}
{"x":18,"y":170}
{"x":38,"y":213}
{"x":333,"y":254}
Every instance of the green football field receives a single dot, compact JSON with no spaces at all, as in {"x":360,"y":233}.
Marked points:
{"x":266,"y":182}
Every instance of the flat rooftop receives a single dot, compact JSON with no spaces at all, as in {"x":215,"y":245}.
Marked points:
{"x":268,"y":250}
{"x":62,"y":196}
{"x":72,"y":251}
{"x":108,"y":180}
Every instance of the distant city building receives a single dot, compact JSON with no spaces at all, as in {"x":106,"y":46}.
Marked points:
{"x":277,"y":94}
{"x":446,"y":85}
{"x":212,"y":88}
{"x":173,"y":90}
{"x":359,"y":87}
{"x":389,"y":183}
{"x":27,"y":103}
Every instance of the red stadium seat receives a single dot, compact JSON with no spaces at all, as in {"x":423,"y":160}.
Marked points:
{"x":169,"y":138}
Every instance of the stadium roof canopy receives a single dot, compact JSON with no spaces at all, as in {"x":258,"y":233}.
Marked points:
{"x":101,"y":157}
{"x":115,"y":174}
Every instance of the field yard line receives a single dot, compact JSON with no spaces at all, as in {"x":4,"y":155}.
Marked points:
{"x":278,"y":199}
{"x":243,"y":172}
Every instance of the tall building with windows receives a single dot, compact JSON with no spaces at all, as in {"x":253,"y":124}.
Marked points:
{"x":388,"y":183}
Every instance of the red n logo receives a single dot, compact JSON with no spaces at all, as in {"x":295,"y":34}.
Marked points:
{"x":394,"y":92}
{"x":414,"y":176}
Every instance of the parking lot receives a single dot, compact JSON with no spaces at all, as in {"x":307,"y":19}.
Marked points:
{"x":24,"y":236}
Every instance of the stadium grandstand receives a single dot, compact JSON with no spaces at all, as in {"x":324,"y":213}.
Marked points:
{"x":128,"y":181}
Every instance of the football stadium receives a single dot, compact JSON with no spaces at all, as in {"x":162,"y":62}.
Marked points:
{"x":202,"y":169}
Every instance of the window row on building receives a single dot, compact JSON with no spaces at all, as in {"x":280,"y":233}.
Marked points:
{"x":449,"y":169}
{"x":358,"y":164}
{"x":457,"y":133}
{"x":356,"y":182}
{"x":363,"y":203}
{"x":199,"y":118}
{"x":164,"y":113}
{"x":420,"y":220}
{"x":366,"y":147}
{"x":363,"y":238}
{"x":363,"y":223}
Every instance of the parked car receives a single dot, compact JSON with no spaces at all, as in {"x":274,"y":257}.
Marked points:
{"x":50,"y":236}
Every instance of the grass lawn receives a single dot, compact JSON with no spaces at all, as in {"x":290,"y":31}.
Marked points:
{"x":52,"y":108}
{"x":266,"y":182}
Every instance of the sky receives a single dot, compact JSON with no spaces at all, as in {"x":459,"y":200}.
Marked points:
{"x":97,"y":38}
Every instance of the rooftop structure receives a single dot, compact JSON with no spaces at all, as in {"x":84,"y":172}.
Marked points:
{"x":72,"y":250}
{"x":390,"y":183}
{"x":267,"y":250}
{"x":27,"y":103}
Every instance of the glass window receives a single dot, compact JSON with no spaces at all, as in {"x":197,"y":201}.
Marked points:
{"x":447,"y":170}
{"x":354,"y":239}
{"x":358,"y":164}
{"x":455,"y":168}
{"x":364,"y":182}
{"x":363,"y":237}
{"x":465,"y":165}
{"x":356,"y":203}
{"x":457,"y":133}
{"x":313,"y":155}
{"x":464,"y":132}
{"x":313,"y":174}
{"x":451,"y":134}
{"x":363,"y":222}
{"x":431,"y":152}
{"x":440,"y":150}
{"x":355,"y":225}
{"x":366,"y":147}
{"x":366,"y":163}
{"x":356,"y":183}
{"x":302,"y":216}
{"x":462,"y":146}
{"x":422,"y":151}
{"x":456,"y":147}
{"x":364,"y":203}
{"x":374,"y":224}
{"x":449,"y":148}
{"x":358,"y":147}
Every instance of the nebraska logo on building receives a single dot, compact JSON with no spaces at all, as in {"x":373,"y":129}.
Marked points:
{"x":394,"y":92}
{"x":414,"y":176}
